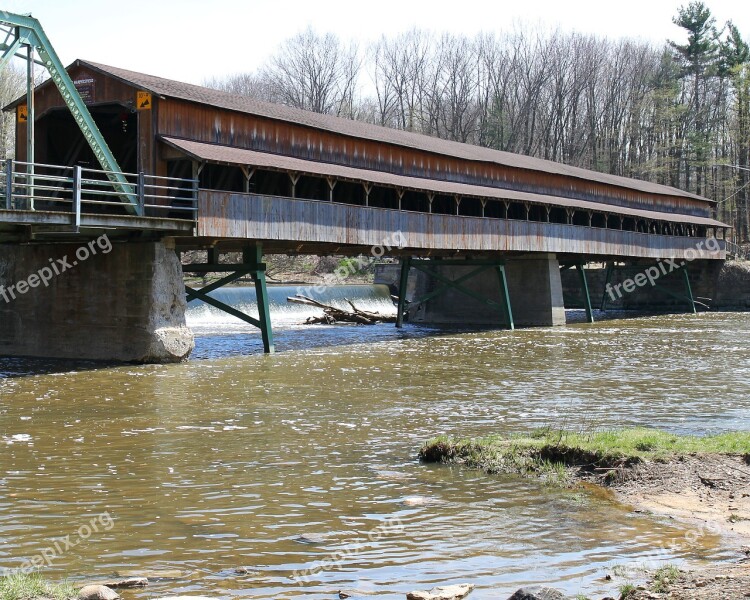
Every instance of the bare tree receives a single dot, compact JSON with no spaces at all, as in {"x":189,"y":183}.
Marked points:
{"x":12,"y":85}
{"x":314,"y":72}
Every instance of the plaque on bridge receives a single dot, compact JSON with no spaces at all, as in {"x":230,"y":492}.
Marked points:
{"x":86,"y":88}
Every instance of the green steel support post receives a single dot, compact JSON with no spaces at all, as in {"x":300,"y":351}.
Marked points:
{"x":585,"y":292}
{"x":607,"y":281}
{"x":30,"y":127}
{"x":255,"y":255}
{"x":403,"y":284}
{"x":505,"y":296}
{"x":689,"y":289}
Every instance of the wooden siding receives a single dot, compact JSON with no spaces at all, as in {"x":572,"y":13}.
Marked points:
{"x":182,"y":119}
{"x":246,"y":216}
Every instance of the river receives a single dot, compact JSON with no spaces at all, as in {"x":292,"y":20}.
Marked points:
{"x":278,"y":463}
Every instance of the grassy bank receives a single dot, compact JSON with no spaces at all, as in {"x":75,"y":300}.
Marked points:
{"x":550,"y":453}
{"x":21,"y":586}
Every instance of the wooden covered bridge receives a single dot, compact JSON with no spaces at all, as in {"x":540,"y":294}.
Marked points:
{"x":220,"y":172}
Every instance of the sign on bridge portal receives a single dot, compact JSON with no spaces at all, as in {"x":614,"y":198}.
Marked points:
{"x":143,"y":100}
{"x":23,"y":113}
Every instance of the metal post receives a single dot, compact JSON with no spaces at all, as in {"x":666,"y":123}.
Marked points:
{"x":196,"y":189}
{"x":688,"y":289}
{"x":585,"y":292}
{"x":505,"y":296}
{"x":403,"y":284}
{"x":607,"y":281}
{"x":77,"y":196}
{"x":255,"y":255}
{"x":30,"y":134}
{"x":141,"y":193}
{"x":9,"y":184}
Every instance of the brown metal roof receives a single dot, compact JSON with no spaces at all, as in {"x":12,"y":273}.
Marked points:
{"x":357,"y":129}
{"x":237,"y":156}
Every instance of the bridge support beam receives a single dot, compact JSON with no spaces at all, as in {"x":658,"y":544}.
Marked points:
{"x":252,"y":264}
{"x":524,"y":291}
{"x":93,"y":301}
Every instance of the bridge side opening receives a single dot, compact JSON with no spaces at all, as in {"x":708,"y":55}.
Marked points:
{"x":444,"y":205}
{"x":415,"y":201}
{"x":312,"y":188}
{"x":516,"y":211}
{"x":349,"y":192}
{"x":558,"y":214}
{"x":221,"y":177}
{"x":470,"y":207}
{"x":269,"y":183}
{"x":383,"y":197}
{"x":537,"y":213}
{"x":599,"y":220}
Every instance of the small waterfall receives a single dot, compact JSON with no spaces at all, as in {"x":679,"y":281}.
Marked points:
{"x":202,"y":317}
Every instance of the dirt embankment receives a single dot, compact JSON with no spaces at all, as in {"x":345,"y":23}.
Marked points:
{"x":710,"y":492}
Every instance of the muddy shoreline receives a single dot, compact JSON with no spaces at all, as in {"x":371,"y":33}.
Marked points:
{"x":707,"y":492}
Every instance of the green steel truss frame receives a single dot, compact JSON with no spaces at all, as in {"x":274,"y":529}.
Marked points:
{"x":23,"y":30}
{"x":427,"y":266}
{"x":585,"y":292}
{"x":252,"y":264}
{"x":683,"y":272}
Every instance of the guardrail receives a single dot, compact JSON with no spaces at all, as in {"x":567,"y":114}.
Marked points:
{"x":76,"y":190}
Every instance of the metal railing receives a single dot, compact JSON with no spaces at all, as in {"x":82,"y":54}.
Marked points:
{"x":77,"y":190}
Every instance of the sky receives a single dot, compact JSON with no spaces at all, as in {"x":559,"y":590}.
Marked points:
{"x":195,"y":40}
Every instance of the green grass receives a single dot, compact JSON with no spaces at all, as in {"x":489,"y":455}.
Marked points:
{"x":663,"y":578}
{"x":627,"y":590}
{"x":20,"y":586}
{"x":548,"y":451}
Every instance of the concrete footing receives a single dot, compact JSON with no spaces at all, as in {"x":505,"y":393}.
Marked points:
{"x":94,"y":301}
{"x":534,"y":287}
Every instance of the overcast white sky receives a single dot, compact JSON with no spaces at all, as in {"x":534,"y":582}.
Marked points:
{"x":191,"y":40}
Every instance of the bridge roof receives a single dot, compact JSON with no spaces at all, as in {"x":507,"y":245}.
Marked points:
{"x":193,"y":93}
{"x":237,"y":156}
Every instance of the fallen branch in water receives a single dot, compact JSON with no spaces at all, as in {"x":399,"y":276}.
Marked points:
{"x":332,"y":314}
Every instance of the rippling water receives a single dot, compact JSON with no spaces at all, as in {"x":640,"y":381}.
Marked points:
{"x":276,"y":463}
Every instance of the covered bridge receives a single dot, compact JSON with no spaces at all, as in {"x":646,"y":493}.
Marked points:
{"x":243,"y":146}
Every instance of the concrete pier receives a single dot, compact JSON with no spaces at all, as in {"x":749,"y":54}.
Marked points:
{"x":718,"y":285}
{"x":93,"y":300}
{"x":534,"y":287}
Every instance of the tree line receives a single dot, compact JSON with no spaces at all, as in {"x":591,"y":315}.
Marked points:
{"x":676,"y":113}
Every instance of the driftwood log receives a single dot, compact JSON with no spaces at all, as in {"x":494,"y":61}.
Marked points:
{"x":332,"y":314}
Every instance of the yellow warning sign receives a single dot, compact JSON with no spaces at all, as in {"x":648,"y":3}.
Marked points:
{"x":23,"y":113}
{"x":143,"y":100}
